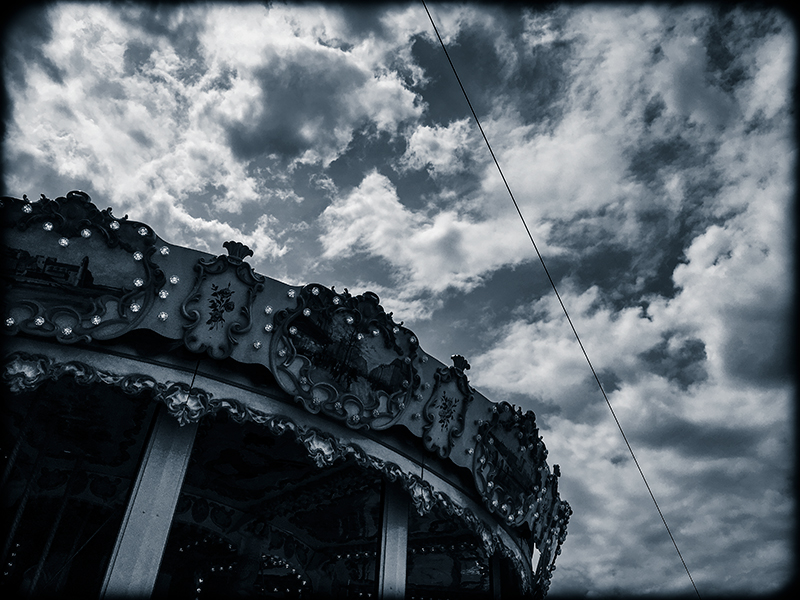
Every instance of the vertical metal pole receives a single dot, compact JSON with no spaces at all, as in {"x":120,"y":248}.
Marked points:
{"x":393,"y":543}
{"x":495,"y":576}
{"x":54,"y":528}
{"x":143,"y":535}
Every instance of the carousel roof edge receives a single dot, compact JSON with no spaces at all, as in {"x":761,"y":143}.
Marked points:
{"x":75,"y":273}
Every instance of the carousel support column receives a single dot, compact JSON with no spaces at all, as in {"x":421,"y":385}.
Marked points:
{"x":140,"y":544}
{"x":393,"y":543}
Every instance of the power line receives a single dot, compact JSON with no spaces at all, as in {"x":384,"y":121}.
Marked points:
{"x":560,"y":301}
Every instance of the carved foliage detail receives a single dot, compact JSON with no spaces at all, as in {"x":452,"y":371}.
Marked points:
{"x":447,"y":407}
{"x":343,"y":356}
{"x":219,"y":307}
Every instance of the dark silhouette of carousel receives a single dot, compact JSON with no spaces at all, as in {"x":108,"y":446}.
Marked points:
{"x":178,"y":426}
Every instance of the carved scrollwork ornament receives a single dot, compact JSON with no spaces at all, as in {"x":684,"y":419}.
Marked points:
{"x":447,"y":407}
{"x":343,"y":356}
{"x":69,"y":269}
{"x":516,"y":485}
{"x":219,"y":307}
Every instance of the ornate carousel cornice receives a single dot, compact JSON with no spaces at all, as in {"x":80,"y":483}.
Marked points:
{"x":74,"y":273}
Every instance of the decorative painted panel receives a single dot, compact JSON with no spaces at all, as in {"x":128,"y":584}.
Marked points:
{"x":444,"y":412}
{"x":79,"y":273}
{"x":343,"y":356}
{"x":219,"y":307}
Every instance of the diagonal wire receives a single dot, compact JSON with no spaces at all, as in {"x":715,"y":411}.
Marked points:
{"x":560,"y":301}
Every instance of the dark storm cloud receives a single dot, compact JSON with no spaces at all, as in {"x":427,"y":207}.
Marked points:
{"x":682,"y":363}
{"x":305,"y":98}
{"x":182,"y":34}
{"x":693,"y":440}
{"x":529,"y":80}
{"x":657,"y":154}
{"x":759,"y":348}
{"x":25,"y":35}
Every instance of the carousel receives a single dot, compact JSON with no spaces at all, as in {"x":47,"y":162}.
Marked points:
{"x":177,"y":425}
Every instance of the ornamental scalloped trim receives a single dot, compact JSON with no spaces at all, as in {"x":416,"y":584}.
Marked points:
{"x":24,"y":371}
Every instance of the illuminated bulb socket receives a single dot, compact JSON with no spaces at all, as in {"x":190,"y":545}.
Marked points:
{"x":490,"y":484}
{"x":162,"y":316}
{"x":482,"y":460}
{"x":470,"y":451}
{"x":360,"y":336}
{"x":63,"y":242}
{"x":290,"y":293}
{"x":114,"y":225}
{"x":10,"y":322}
{"x":336,"y":300}
{"x":303,"y":380}
{"x":138,"y":282}
{"x":86,"y":233}
{"x":143,"y":231}
{"x":27,"y":209}
{"x":174,"y":280}
{"x":38,"y":321}
{"x":292,"y":330}
{"x":47,"y":226}
{"x":267,"y":310}
{"x":395,"y":330}
{"x":375,"y":333}
{"x":268,"y":327}
{"x":376,"y":413}
{"x":96,"y":320}
{"x":164,"y":250}
{"x":282,"y":352}
{"x":163,"y":294}
{"x":138,"y":255}
{"x":401,"y":406}
{"x":412,"y":339}
{"x":257,"y":345}
{"x":315,"y":291}
{"x":338,"y":406}
{"x":356,"y":418}
{"x":135,"y":307}
{"x":306,"y":312}
{"x":349,"y":319}
{"x":494,"y":503}
{"x":67,"y":331}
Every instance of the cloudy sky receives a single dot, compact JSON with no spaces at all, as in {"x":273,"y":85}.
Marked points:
{"x":650,"y":148}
